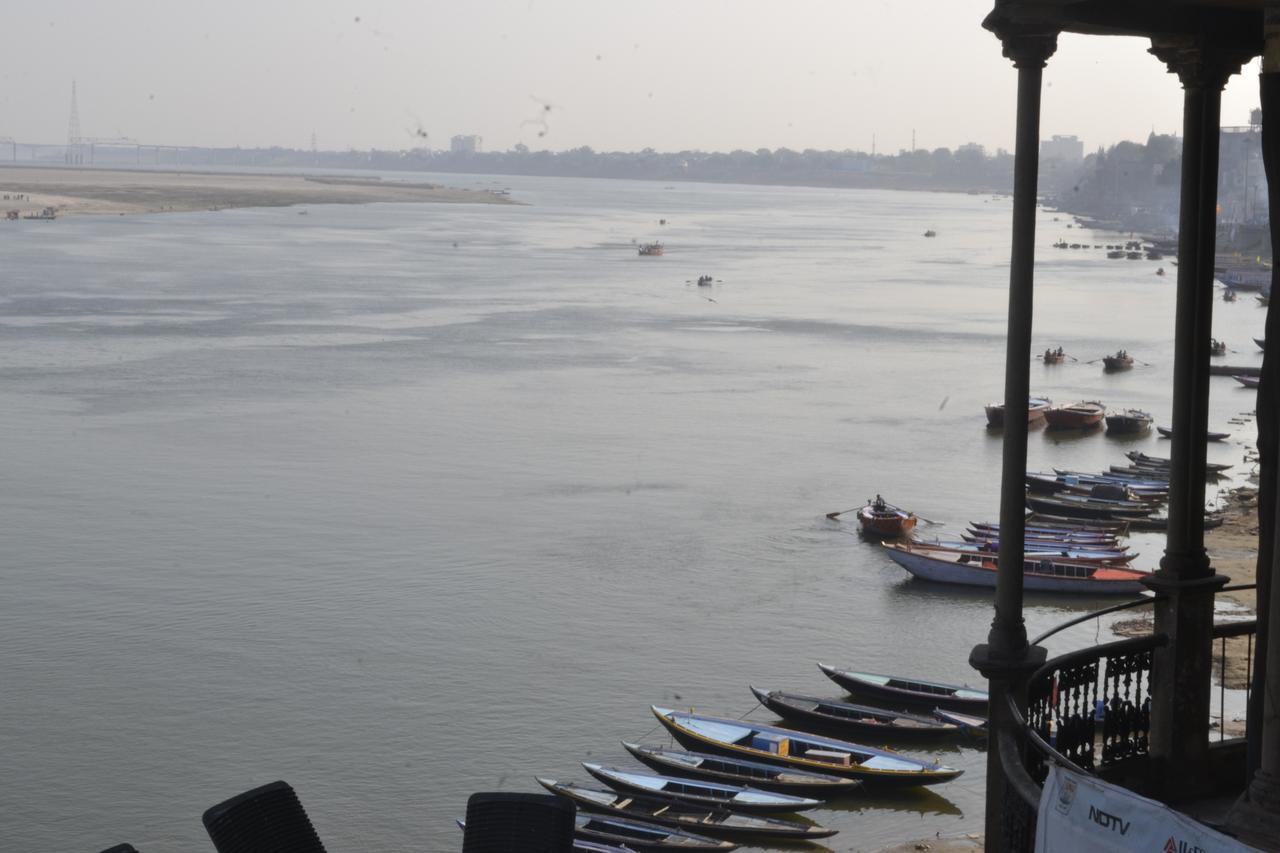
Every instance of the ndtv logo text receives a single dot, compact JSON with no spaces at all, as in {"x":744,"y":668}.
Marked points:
{"x":1107,"y":820}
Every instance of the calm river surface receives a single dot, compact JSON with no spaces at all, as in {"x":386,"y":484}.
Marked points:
{"x":398,"y":502}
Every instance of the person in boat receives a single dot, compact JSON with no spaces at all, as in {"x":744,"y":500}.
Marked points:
{"x":1048,"y":354}
{"x":1060,"y":352}
{"x":879,"y":505}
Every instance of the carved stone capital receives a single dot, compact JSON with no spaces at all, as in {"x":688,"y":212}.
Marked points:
{"x":1029,"y":50}
{"x":1199,"y":66}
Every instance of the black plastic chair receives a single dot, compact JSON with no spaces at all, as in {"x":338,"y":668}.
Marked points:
{"x":500,"y":822}
{"x":269,"y":819}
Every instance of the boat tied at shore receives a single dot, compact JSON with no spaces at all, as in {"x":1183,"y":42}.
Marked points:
{"x":1036,"y":409}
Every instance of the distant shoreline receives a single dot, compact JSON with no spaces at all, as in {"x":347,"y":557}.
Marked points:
{"x":108,"y":192}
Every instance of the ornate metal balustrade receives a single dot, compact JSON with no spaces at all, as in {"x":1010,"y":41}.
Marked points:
{"x":1086,"y":710}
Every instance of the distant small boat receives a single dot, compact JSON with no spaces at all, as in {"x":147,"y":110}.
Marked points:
{"x":806,"y":751}
{"x":1128,"y":422}
{"x":1083,"y":415}
{"x":705,"y":281}
{"x":1248,"y":381}
{"x":1262,"y":343}
{"x":1217,"y":347}
{"x":1053,"y":356}
{"x":883,"y":520}
{"x":1229,"y":295}
{"x":46,"y":213}
{"x":700,"y":792}
{"x":1115,"y":254}
{"x":1167,"y":432}
{"x":908,"y":692}
{"x":651,"y":249}
{"x":1120,"y":361}
{"x":1263,"y":300}
{"x":718,"y":823}
{"x":1036,"y":408}
{"x":854,"y":720}
{"x":739,"y":771}
{"x":931,"y":233}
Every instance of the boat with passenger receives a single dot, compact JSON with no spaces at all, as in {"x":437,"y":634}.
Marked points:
{"x":650,"y":249}
{"x":883,"y":520}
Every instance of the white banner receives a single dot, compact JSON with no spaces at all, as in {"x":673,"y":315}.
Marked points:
{"x":1084,"y":813}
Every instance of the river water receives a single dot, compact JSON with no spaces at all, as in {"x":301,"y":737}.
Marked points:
{"x":403,"y":502}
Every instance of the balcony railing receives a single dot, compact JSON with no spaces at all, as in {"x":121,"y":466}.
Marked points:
{"x":1088,"y":710}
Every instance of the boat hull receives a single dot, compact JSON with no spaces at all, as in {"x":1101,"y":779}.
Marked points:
{"x":694,"y":740}
{"x":1074,"y":417}
{"x":736,"y":771}
{"x":891,"y":725}
{"x":983,"y":574}
{"x":903,"y":698}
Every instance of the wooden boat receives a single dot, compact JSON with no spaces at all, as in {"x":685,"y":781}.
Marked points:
{"x":1139,"y":458}
{"x":1119,"y":526}
{"x":1167,"y":432}
{"x":931,"y":233}
{"x":853,"y":719}
{"x":1248,"y":381}
{"x":699,"y":792}
{"x":1087,"y":508}
{"x":1083,"y":415}
{"x":1052,"y":524}
{"x":1052,"y":356}
{"x":777,"y":745}
{"x":1032,"y":550}
{"x":1037,"y":543}
{"x":641,"y":837}
{"x":1217,"y":347}
{"x":1128,"y":422}
{"x":1036,"y":408}
{"x":967,"y":722}
{"x":1076,"y":540}
{"x":908,"y":692}
{"x":739,"y":771}
{"x":881,"y":520}
{"x":1120,"y":361}
{"x":1115,"y":254}
{"x":717,"y":823}
{"x":1079,"y":483}
{"x":1040,"y":573}
{"x":651,"y":249}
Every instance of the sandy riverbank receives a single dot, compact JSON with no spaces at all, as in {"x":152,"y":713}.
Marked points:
{"x":74,"y":191}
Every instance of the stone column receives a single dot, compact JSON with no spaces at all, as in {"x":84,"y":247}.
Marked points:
{"x":1180,"y":676}
{"x":1005,"y":659}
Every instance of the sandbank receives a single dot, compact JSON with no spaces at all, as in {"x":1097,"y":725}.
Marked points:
{"x":91,"y":191}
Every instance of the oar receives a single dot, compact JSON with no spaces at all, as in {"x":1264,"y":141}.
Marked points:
{"x":834,"y":515}
{"x":1144,"y":363}
{"x":1072,"y":357}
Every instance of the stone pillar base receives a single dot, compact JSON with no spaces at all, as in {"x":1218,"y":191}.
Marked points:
{"x":1255,"y":818}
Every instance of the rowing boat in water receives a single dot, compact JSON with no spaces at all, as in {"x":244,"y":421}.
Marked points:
{"x":718,"y":823}
{"x":700,"y":792}
{"x":1040,"y":572}
{"x":882,"y":520}
{"x":739,"y":771}
{"x":1036,"y":407}
{"x":1167,"y":432}
{"x":856,"y":720}
{"x":1086,"y":414}
{"x":1074,"y":506}
{"x":777,"y":745}
{"x":1129,"y":422}
{"x":908,"y":692}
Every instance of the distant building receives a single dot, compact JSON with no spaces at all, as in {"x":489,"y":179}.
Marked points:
{"x":972,"y":149}
{"x":1067,"y":149}
{"x":468,"y":144}
{"x":1242,"y":180}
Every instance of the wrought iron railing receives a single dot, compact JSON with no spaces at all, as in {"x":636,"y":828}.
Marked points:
{"x":1087,"y":710}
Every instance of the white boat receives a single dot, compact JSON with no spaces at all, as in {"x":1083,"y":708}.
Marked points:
{"x":1039,"y":575}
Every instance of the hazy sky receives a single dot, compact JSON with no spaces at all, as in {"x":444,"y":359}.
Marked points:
{"x":617,"y":74}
